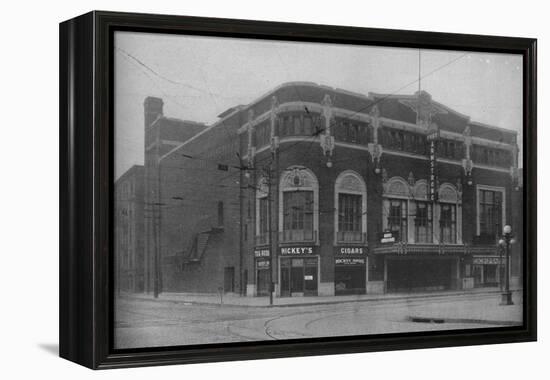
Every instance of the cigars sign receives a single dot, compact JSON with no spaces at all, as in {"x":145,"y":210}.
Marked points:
{"x":350,"y":250}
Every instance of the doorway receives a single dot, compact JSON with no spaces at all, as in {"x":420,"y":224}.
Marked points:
{"x":229,"y":279}
{"x":299,"y":276}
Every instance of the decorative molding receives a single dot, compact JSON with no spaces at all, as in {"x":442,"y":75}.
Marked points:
{"x":396,"y":186}
{"x":420,"y":190}
{"x":410,"y":179}
{"x":326,"y":139}
{"x":448,"y":193}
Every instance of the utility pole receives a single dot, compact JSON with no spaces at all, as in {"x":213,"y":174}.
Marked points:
{"x":156,"y":229}
{"x":268,"y":170}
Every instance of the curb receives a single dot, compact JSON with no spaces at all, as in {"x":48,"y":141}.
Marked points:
{"x":461,"y":320}
{"x":331,"y":302}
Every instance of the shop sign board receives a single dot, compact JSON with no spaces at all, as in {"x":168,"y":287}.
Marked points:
{"x":486,"y":260}
{"x":262,"y":252}
{"x":342,"y":261}
{"x":350,"y":250}
{"x":262,"y":264}
{"x":296,"y":251}
{"x":388,"y":236}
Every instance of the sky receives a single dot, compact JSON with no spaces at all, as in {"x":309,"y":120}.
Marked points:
{"x":200,"y":77}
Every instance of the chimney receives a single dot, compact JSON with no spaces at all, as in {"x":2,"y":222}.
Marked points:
{"x":153,"y":109}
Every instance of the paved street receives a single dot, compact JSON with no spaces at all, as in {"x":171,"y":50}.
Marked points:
{"x":142,"y":322}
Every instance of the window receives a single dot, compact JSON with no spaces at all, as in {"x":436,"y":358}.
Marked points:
{"x":423,"y":222}
{"x":298,"y":197}
{"x":264,"y":212}
{"x":353,"y":133}
{"x":397,"y":217}
{"x":448,"y":149}
{"x":350,"y":200}
{"x":420,"y":145}
{"x":298,"y":213}
{"x":447,"y":223}
{"x":490,"y":213}
{"x":308,"y":126}
{"x":350,"y":217}
{"x":285,"y":126}
{"x":220,"y":213}
{"x":297,"y":126}
{"x":397,"y":140}
{"x":263,"y":134}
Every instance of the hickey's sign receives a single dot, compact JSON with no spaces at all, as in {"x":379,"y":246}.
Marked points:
{"x":296,"y":250}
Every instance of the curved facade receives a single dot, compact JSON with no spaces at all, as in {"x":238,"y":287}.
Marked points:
{"x":343,"y":193}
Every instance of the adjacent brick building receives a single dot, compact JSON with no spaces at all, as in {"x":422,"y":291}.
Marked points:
{"x":326,"y":192}
{"x":129,"y":231}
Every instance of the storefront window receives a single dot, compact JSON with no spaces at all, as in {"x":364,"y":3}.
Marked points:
{"x":423,"y":222}
{"x":447,"y":222}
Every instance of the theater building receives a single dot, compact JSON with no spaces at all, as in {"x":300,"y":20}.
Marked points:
{"x":321,"y":191}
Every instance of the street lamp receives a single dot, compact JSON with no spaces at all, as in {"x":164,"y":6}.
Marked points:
{"x":505,"y":242}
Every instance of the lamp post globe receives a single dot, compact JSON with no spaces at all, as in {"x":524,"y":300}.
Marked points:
{"x":507,"y":241}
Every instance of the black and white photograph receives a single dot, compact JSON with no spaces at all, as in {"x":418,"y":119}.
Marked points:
{"x":280,"y":190}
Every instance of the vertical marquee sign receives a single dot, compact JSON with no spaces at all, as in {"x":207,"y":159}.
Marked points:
{"x":433,"y":136}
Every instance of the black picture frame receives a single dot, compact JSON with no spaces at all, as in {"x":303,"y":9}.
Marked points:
{"x":86,"y":188}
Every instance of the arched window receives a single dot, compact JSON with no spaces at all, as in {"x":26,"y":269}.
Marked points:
{"x":407,"y":211}
{"x":350,"y":220}
{"x":299,"y":200}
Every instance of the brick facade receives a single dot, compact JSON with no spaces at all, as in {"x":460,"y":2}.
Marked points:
{"x":204,"y":184}
{"x":129,"y":233}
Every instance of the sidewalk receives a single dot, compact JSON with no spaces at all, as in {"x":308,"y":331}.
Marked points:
{"x":482,"y":311}
{"x":236,"y":300}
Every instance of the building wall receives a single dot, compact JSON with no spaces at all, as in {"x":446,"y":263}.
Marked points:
{"x":192,"y":182}
{"x":129,"y":241}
